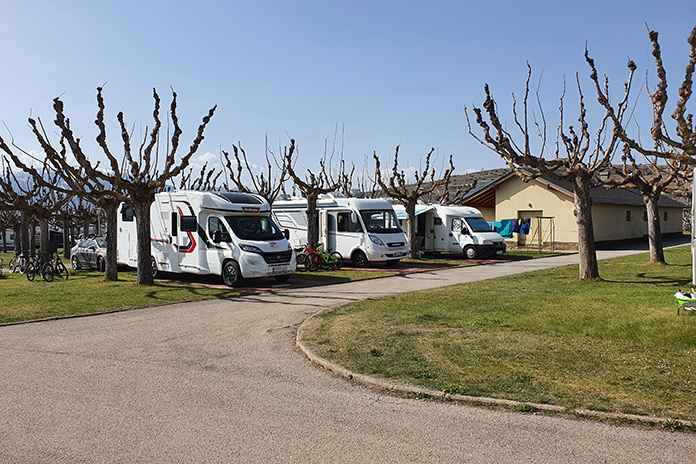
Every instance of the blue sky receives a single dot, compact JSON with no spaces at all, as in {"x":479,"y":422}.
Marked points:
{"x":387,"y":72}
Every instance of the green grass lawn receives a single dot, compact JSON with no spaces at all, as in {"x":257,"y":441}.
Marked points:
{"x":87,"y":292}
{"x":614,"y":345}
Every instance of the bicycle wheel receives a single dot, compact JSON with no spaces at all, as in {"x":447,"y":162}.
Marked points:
{"x":312,"y":262}
{"x":337,"y":261}
{"x":23,"y":265}
{"x":31,"y":273}
{"x":47,"y":272}
{"x":301,"y":259}
{"x":13,"y":266}
{"x":324,"y":262}
{"x":61,"y":271}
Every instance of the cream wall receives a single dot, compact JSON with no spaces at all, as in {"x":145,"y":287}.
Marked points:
{"x":514,"y":195}
{"x":609,"y":220}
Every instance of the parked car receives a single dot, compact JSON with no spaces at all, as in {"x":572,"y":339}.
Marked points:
{"x":90,"y":252}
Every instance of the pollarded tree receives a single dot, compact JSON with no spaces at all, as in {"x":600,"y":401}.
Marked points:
{"x":313,"y":185}
{"x":141,"y":179}
{"x":677,"y":152}
{"x":9,"y":219}
{"x":576,"y":158}
{"x":407,"y":193}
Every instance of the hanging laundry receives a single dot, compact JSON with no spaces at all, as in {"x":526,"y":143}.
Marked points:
{"x":516,"y":226}
{"x":525,"y":224}
{"x":504,"y":228}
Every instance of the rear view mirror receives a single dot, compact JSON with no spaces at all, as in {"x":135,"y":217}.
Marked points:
{"x":217,"y":236}
{"x":286,"y":233}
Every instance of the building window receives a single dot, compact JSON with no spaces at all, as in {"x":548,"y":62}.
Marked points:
{"x":628,"y":216}
{"x":127,"y":213}
{"x":665,"y":215}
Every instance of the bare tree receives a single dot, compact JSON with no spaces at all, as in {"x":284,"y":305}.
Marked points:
{"x":678,"y":152}
{"x":269,"y":184}
{"x":9,"y":219}
{"x":313,"y":185}
{"x":406,"y":193}
{"x":577,"y":157}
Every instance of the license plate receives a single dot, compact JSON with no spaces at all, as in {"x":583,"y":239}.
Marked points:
{"x":278,"y":269}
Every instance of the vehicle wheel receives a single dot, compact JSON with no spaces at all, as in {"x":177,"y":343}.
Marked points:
{"x":14,"y":265}
{"x":359,"y":259}
{"x":231,"y":275}
{"x":392,"y":262}
{"x":31,"y":273}
{"x":282,"y":278}
{"x":470,"y":252}
{"x":62,"y":271}
{"x":301,"y":259}
{"x":336,"y":265}
{"x":312,"y":262}
{"x":101,"y":266}
{"x":154,"y":266}
{"x":48,"y":273}
{"x":74,"y":262}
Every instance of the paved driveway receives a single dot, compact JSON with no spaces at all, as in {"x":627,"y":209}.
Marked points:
{"x":220,"y":381}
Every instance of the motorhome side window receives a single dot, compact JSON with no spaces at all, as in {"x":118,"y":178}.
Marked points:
{"x":456,"y":225}
{"x":346,"y":224}
{"x":189,"y":223}
{"x":216,"y":226}
{"x":127,"y":213}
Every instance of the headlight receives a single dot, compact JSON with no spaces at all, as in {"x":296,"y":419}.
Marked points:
{"x":251,"y":249}
{"x":488,"y":242}
{"x":376,"y":240}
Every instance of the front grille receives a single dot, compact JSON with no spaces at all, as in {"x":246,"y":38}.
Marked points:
{"x":277,"y":257}
{"x":395,"y":244}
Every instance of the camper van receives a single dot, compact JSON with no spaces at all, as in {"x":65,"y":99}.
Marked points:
{"x":362,"y":230}
{"x":230,"y":234}
{"x":453,"y":229}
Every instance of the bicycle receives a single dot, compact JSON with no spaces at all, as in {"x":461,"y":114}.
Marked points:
{"x":319,"y":258}
{"x":56,"y":266}
{"x":34,"y":268}
{"x":18,"y":263}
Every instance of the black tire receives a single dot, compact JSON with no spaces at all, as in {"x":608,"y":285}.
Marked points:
{"x":312,"y":263}
{"x":75,"y":263}
{"x":359,"y":258}
{"x":470,"y":252}
{"x":282,"y":278}
{"x":48,"y":273}
{"x":13,"y":266}
{"x":101,"y":266}
{"x":61,"y":271}
{"x":336,"y":265}
{"x":153,"y":263}
{"x":301,"y":258}
{"x":31,"y":273}
{"x":323,"y":263}
{"x":231,"y":274}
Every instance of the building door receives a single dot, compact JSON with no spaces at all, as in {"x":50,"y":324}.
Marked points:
{"x":524,"y":240}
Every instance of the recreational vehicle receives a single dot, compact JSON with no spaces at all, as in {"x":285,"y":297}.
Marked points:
{"x":453,"y":229}
{"x":230,"y":234}
{"x":362,"y":230}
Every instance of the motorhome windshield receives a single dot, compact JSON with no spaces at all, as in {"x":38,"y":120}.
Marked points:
{"x":254,"y":228}
{"x":382,"y":221}
{"x":478,"y":224}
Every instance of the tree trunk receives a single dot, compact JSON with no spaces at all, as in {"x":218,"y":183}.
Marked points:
{"x":44,"y":250}
{"x":583,"y":216}
{"x":67,"y":242}
{"x":312,"y":221}
{"x":110,"y":207}
{"x":657,"y":254}
{"x":4,"y":239}
{"x":23,"y":235}
{"x":411,"y":229}
{"x":141,"y":209}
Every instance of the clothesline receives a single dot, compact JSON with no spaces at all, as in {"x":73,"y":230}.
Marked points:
{"x":507,"y":227}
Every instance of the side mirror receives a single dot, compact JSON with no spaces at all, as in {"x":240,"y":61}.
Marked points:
{"x":286,"y":233}
{"x":465,"y":231}
{"x":217,"y":236}
{"x":353,"y":217}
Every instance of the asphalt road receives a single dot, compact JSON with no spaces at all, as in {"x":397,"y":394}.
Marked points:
{"x":220,"y":381}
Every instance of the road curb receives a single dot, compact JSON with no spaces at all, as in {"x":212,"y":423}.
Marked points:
{"x":520,"y":406}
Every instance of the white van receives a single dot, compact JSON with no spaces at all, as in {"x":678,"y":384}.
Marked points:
{"x":362,"y":230}
{"x":230,"y":234}
{"x":454,"y":229}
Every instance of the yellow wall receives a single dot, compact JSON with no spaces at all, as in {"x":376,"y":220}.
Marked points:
{"x":514,"y":196}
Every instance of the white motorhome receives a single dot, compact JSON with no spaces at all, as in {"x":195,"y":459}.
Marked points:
{"x":454,"y":229}
{"x":230,"y":234}
{"x":362,"y":230}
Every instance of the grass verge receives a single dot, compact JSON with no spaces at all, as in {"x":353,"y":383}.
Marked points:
{"x":615,"y":345}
